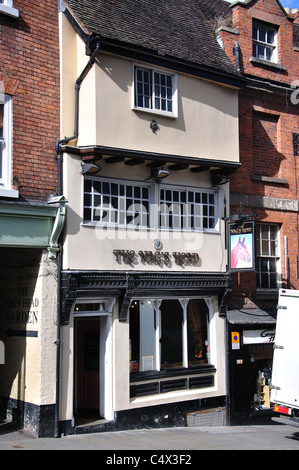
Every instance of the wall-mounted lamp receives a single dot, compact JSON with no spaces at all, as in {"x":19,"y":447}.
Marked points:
{"x":154,"y":126}
{"x":157,"y":175}
{"x":89,"y":168}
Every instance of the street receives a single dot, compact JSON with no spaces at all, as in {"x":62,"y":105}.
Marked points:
{"x":179,"y":441}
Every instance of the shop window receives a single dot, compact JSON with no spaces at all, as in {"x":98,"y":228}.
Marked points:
{"x":168,"y":334}
{"x":267,"y":256}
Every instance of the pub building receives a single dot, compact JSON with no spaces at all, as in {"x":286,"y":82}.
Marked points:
{"x":145,"y":278}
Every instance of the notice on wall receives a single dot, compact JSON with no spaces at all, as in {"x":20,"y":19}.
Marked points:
{"x":147,"y":363}
{"x":235,"y":340}
{"x":22,"y":313}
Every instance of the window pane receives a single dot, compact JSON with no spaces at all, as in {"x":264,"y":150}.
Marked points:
{"x":264,"y":281}
{"x":262,"y":35}
{"x":268,"y":51}
{"x":265,"y":247}
{"x":171,"y":338}
{"x":198,"y":346}
{"x":87,"y":185}
{"x":142,"y":336}
{"x":261,"y":52}
{"x":270,"y":36}
{"x":273,"y":281}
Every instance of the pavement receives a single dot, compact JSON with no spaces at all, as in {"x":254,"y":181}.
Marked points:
{"x":146,"y":444}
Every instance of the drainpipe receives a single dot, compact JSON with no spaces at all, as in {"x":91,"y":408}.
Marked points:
{"x":59,"y":143}
{"x":237,"y":55}
{"x":66,"y":140}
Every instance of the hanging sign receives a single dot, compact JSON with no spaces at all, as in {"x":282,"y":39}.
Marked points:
{"x":241,"y":246}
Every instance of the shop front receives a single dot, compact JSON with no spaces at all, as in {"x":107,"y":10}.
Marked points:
{"x":29,"y":261}
{"x":250,"y":343}
{"x":147,"y":349}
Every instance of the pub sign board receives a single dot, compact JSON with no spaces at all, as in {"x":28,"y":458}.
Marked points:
{"x":241,"y":246}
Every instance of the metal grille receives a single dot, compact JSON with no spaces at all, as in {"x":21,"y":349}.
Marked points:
{"x":215,"y":417}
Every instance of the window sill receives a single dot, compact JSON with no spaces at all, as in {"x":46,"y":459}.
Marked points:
{"x":164,"y":373}
{"x":9,"y":11}
{"x":171,"y":380}
{"x":156,"y":112}
{"x":267,"y":63}
{"x":13,"y":193}
{"x":268,"y":179}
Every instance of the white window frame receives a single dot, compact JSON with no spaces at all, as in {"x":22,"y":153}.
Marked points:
{"x":152,"y":107}
{"x":156,"y":304}
{"x":116,"y":212}
{"x":266,"y":45}
{"x":6,"y":7}
{"x":6,"y":142}
{"x":188,"y":216}
{"x":155,"y":205}
{"x":267,"y":257}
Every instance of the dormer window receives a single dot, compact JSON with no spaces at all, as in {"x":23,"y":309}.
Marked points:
{"x":6,"y":7}
{"x":264,"y":42}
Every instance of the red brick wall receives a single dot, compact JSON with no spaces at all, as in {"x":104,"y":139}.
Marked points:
{"x":267,"y":121}
{"x":269,"y":12}
{"x":29,"y":69}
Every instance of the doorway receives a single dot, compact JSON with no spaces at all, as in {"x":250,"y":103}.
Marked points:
{"x":87,"y":370}
{"x":92,"y":369}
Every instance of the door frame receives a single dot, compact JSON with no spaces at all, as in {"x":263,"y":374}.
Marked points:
{"x":105,"y":352}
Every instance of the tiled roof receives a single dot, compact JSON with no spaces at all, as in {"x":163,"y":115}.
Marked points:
{"x":176,"y":29}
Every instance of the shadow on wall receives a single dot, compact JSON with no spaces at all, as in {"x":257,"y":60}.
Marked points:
{"x":19,"y":318}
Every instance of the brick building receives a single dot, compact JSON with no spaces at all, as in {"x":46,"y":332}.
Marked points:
{"x":111,"y":281}
{"x":30,"y":219}
{"x":261,"y":39}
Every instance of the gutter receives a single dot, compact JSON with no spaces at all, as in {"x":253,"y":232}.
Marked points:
{"x":58,"y":149}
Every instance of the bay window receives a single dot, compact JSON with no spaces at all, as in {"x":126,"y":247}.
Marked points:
{"x":134,"y":204}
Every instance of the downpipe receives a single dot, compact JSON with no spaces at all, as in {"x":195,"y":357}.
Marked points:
{"x":59,"y":144}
